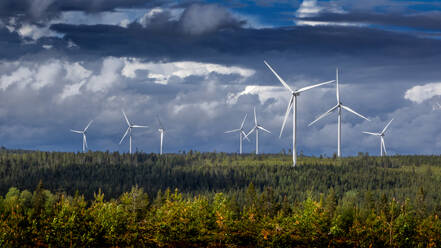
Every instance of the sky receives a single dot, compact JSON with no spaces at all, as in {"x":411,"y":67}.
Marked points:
{"x":198,"y":66}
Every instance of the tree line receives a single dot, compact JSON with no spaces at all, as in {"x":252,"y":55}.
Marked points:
{"x":194,"y":173}
{"x":42,"y":219}
{"x":224,"y":200}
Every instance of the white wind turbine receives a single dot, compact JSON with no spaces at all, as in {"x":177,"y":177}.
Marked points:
{"x":339,"y":106}
{"x":83,"y":132}
{"x":161,"y":131}
{"x":241,"y":133}
{"x":256,"y":128}
{"x":129,"y":131}
{"x":382,"y":145}
{"x":293,"y":105}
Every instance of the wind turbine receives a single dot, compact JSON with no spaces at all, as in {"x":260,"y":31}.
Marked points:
{"x":241,"y":133}
{"x":84,"y":135}
{"x":382,"y":145}
{"x":161,"y":131}
{"x":256,"y":128}
{"x":339,"y":106}
{"x":129,"y":131}
{"x":293,"y":105}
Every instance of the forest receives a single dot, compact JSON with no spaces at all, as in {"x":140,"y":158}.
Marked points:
{"x":197,"y":199}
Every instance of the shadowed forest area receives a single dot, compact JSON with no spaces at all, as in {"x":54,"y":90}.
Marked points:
{"x":218,"y":200}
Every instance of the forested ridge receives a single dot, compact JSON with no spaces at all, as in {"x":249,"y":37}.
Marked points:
{"x":196,"y":173}
{"x":218,"y":200}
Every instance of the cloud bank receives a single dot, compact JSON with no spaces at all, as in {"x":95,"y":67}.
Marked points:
{"x":199,"y":67}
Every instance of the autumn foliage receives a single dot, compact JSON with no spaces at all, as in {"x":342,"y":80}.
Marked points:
{"x":42,"y":219}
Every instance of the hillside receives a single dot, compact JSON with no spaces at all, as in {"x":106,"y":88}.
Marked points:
{"x":399,"y":177}
{"x":217,"y":200}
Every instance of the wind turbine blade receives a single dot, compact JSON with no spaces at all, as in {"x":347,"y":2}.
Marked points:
{"x":251,"y":131}
{"x":232,"y":131}
{"x":384,"y":146}
{"x":85,"y":140}
{"x":75,"y":131}
{"x":313,"y":86}
{"x":125,"y":134}
{"x":243,"y":122}
{"x":127,"y":119}
{"x":245,"y":136}
{"x":385,"y":128}
{"x":355,"y":113}
{"x":376,"y":134}
{"x":90,"y":122}
{"x":255,"y":118}
{"x":288,"y":109}
{"x":140,"y":126}
{"x":323,"y":115}
{"x":336,"y":87}
{"x":278,"y":77}
{"x":261,"y":128}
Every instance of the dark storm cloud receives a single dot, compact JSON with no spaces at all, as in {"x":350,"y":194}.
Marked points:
{"x":199,"y":19}
{"x":41,"y":10}
{"x":427,"y":21}
{"x":46,"y":92}
{"x":13,"y":47}
{"x":171,"y":42}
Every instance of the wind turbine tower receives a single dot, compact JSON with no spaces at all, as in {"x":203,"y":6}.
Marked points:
{"x":381,"y":135}
{"x":242,"y":134}
{"x":292,"y":104}
{"x":161,"y":131}
{"x":129,"y":131}
{"x":256,"y":128}
{"x":339,"y":106}
{"x":83,"y":132}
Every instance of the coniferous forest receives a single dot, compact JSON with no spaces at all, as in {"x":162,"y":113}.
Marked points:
{"x":102,"y":199}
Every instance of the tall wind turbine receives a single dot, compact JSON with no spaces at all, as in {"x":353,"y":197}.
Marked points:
{"x":292,"y":104}
{"x":339,"y":106}
{"x":256,"y":128}
{"x":129,"y":131}
{"x":242,"y":134}
{"x":83,"y":132}
{"x":161,"y":131}
{"x":382,"y":145}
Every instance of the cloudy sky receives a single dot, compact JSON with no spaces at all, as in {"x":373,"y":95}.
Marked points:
{"x":198,"y":65}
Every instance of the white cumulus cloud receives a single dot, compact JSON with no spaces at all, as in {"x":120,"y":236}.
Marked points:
{"x":424,"y":92}
{"x":162,"y":72}
{"x":110,"y":75}
{"x":263,"y":92}
{"x":312,"y":8}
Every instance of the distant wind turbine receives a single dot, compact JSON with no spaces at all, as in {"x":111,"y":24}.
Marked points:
{"x":161,"y":131}
{"x":256,"y":128}
{"x":83,"y":132}
{"x":242,"y":134}
{"x":382,"y":145}
{"x":129,"y":131}
{"x":339,"y":106}
{"x":293,"y":105}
